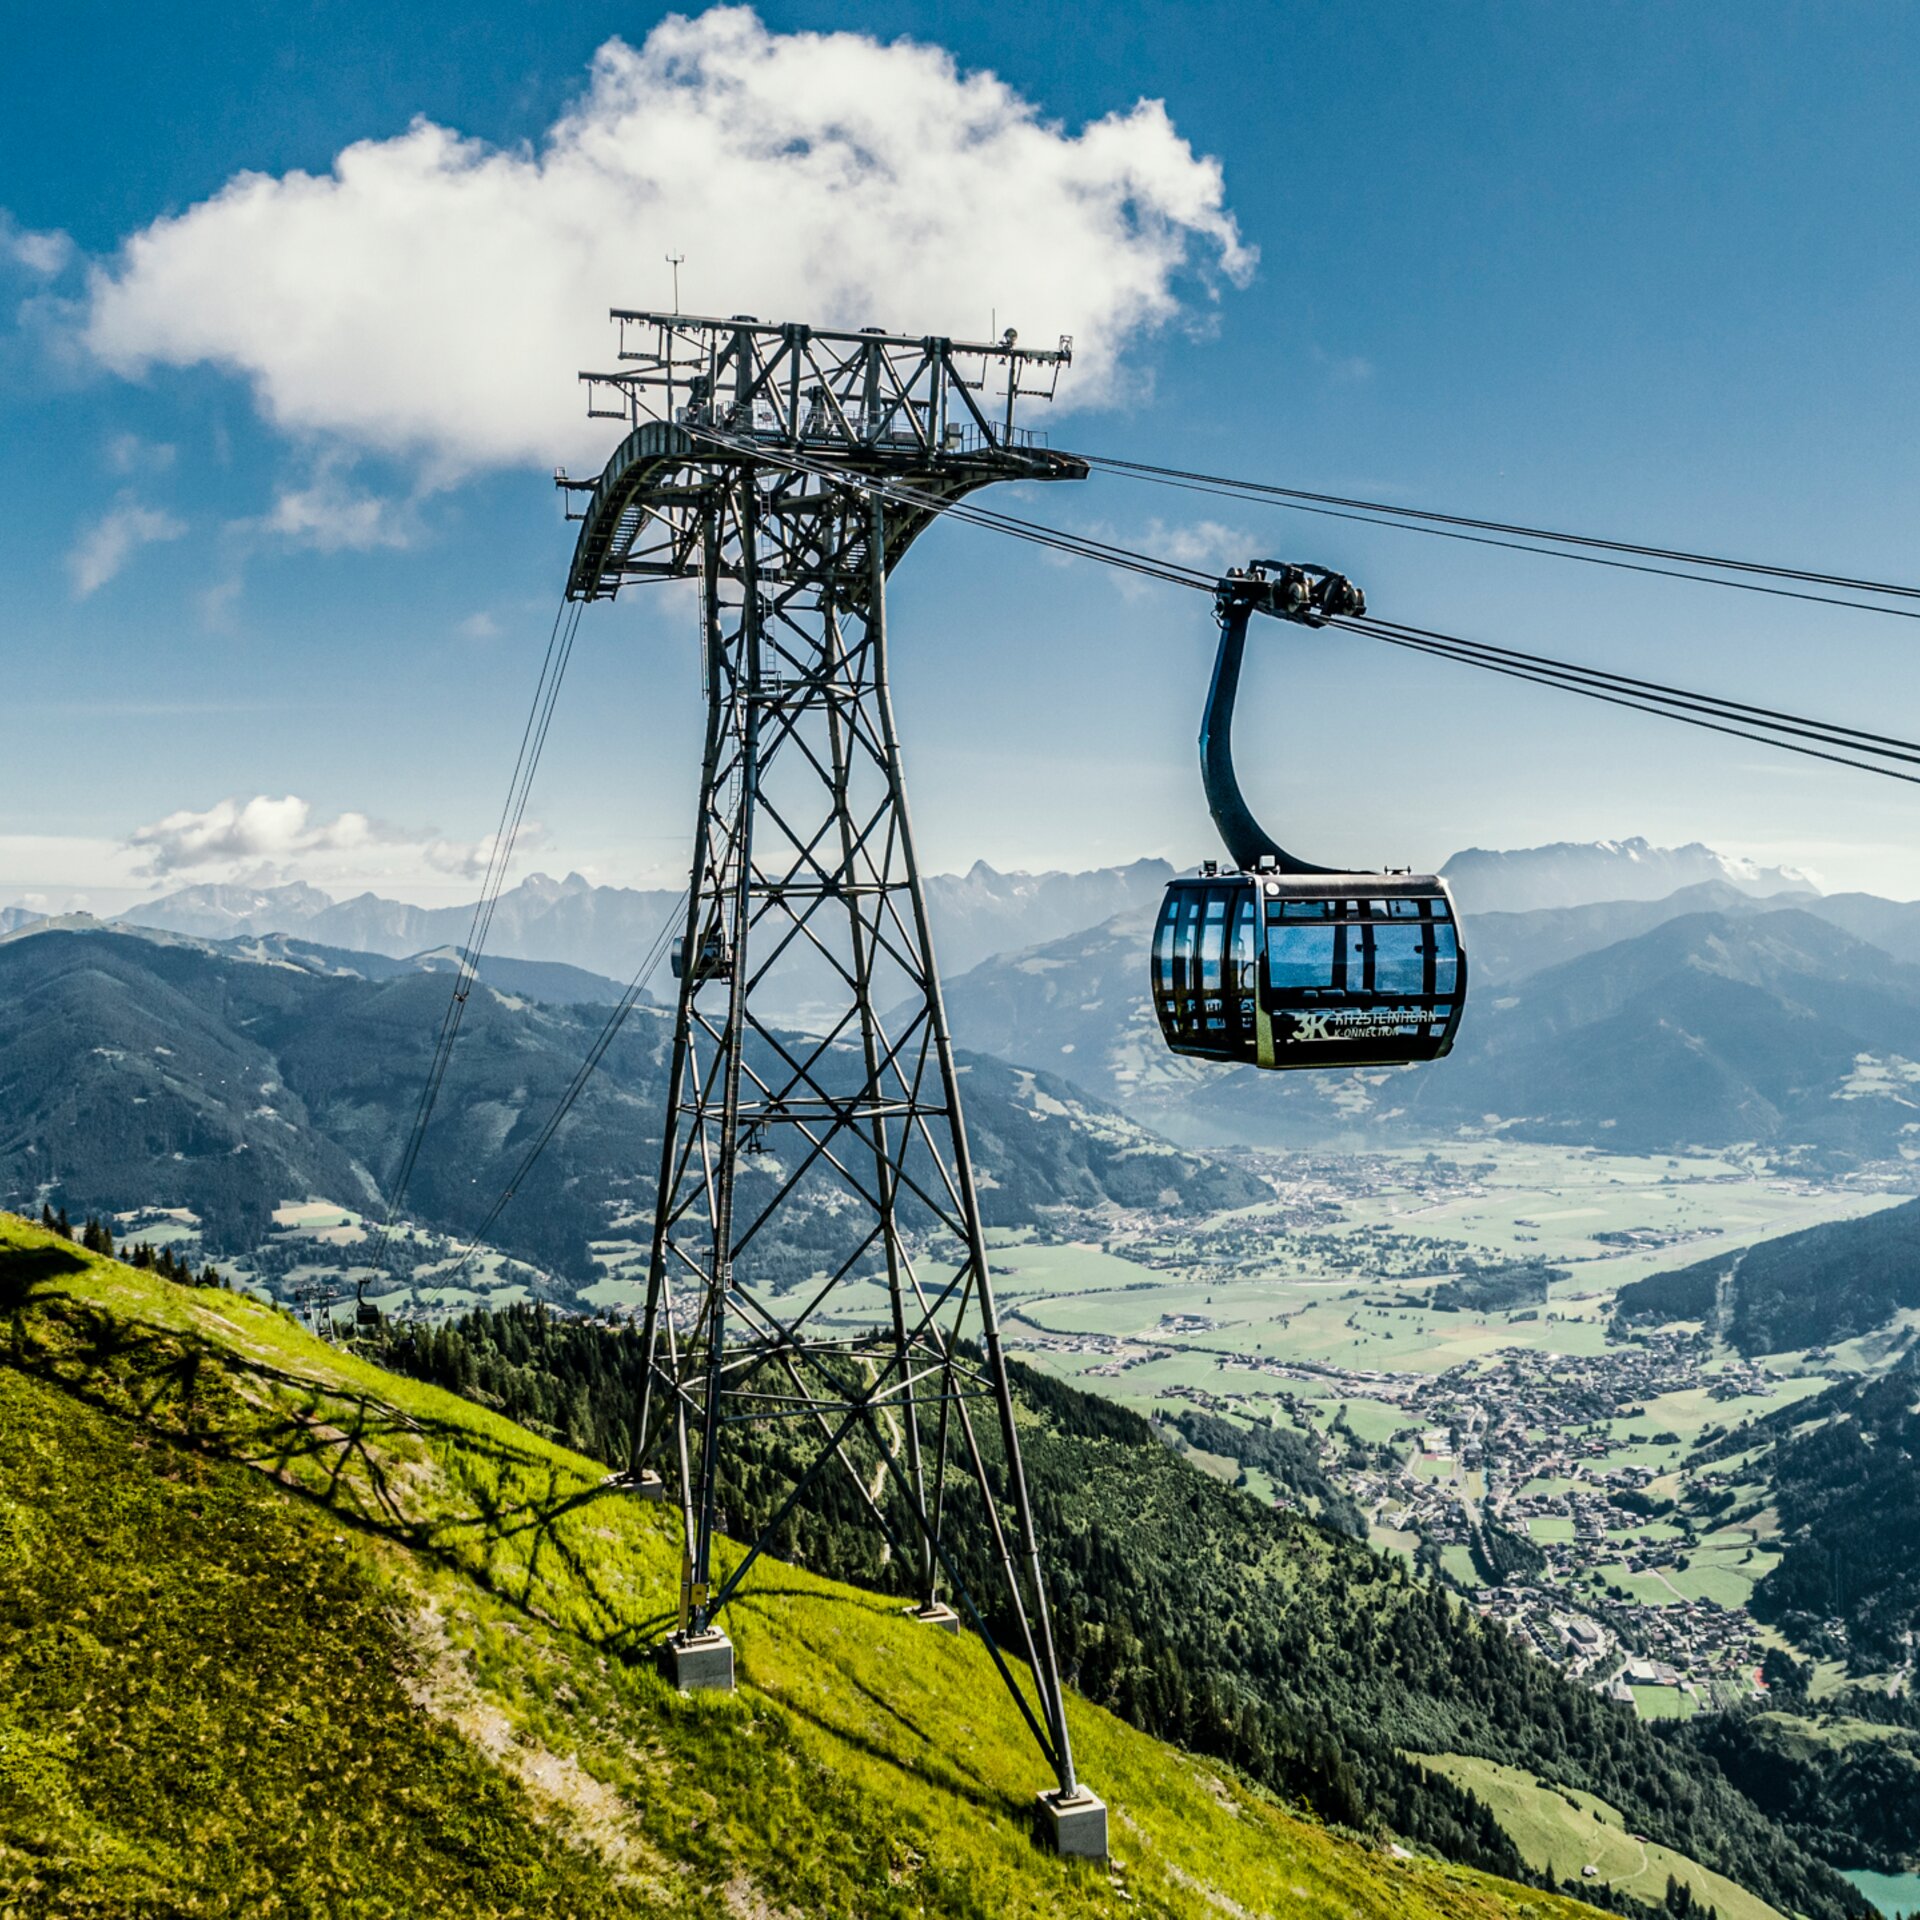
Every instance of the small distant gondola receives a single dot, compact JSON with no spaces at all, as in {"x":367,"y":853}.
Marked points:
{"x":1274,"y":963}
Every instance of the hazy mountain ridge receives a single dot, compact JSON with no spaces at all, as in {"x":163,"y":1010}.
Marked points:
{"x":975,"y":914}
{"x":1579,"y":873}
{"x":547,"y":980}
{"x":138,"y":1072}
{"x":608,"y":930}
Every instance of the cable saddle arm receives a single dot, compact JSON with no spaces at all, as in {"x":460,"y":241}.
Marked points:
{"x":1309,"y":596}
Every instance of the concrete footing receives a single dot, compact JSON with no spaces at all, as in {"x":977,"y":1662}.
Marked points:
{"x":645,"y":1485}
{"x":1074,"y":1826}
{"x":699,"y":1662}
{"x":937,"y":1614}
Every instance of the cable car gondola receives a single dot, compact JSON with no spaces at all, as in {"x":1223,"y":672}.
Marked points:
{"x":1274,"y":963}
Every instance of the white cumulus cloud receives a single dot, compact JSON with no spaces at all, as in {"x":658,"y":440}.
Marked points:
{"x":265,"y":841}
{"x":110,"y":542}
{"x":333,"y":515}
{"x":434,"y":296}
{"x":474,"y":859}
{"x":256,"y":830}
{"x":47,"y":254}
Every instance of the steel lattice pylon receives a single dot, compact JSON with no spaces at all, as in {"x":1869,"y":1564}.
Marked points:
{"x":817,"y":1251}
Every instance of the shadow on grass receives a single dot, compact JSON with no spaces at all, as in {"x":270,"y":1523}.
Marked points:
{"x":926,"y":1757}
{"x":494,"y":1512}
{"x":499,"y":1514}
{"x":22,"y":1269}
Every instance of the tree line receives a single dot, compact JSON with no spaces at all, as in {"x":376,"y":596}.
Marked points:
{"x":96,"y":1236}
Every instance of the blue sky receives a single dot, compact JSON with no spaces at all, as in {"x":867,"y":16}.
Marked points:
{"x":1645,"y":271}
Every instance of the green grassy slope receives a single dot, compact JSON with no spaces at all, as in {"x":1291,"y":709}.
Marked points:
{"x":1567,"y":1831}
{"x":1197,"y":1615}
{"x":281,"y":1634}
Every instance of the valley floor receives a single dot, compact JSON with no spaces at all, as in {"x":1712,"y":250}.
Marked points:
{"x":1319,"y":1312}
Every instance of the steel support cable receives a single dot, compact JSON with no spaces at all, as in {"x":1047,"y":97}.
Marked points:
{"x":1639,"y":706}
{"x":1594,"y":690}
{"x":532,"y":744}
{"x":1887,"y":746}
{"x":1767,"y":726}
{"x":1261,"y":489}
{"x":615,"y":1020}
{"x":533,"y":738}
{"x":1249,"y":492}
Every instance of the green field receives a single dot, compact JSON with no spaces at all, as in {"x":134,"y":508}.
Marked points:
{"x":1568,"y":1831}
{"x":1372,"y":1420}
{"x":1342,"y":1294}
{"x":1663,"y":1703}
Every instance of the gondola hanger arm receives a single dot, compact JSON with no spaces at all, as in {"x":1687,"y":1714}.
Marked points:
{"x":1308,"y":596}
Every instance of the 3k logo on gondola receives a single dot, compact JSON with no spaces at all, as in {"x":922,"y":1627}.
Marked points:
{"x":1372,"y":1025}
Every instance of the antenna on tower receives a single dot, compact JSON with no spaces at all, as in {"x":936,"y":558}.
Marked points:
{"x":676,"y":261}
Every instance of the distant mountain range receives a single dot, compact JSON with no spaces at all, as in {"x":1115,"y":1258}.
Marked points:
{"x":140,"y":1072}
{"x":607,"y":930}
{"x":1572,"y":874}
{"x":548,"y":980}
{"x":976,"y":914}
{"x":1725,"y":1010}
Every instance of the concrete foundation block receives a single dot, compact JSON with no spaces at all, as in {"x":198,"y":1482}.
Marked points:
{"x":939,"y":1614}
{"x":645,"y":1485}
{"x":1075,"y":1826}
{"x":699,"y":1662}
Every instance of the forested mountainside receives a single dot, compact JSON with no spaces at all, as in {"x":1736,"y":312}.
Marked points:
{"x":1808,"y":1289}
{"x":1842,"y":1471}
{"x":282,"y":1633}
{"x":136,"y":1074}
{"x":1844,"y":1778}
{"x":1197,"y":1614}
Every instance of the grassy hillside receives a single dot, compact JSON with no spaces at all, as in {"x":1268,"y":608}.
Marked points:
{"x":1566,"y":1831}
{"x":282,"y":1634}
{"x":1201,"y":1616}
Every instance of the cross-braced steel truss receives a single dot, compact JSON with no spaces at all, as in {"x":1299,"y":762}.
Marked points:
{"x":817,"y":1256}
